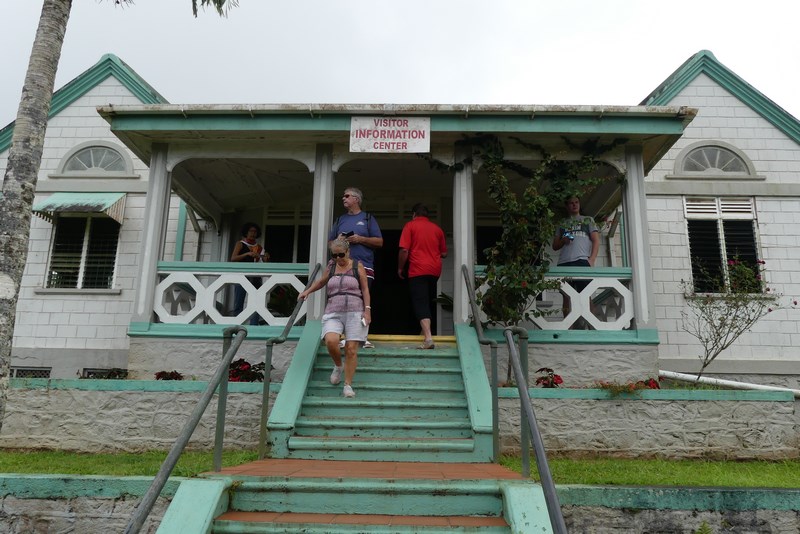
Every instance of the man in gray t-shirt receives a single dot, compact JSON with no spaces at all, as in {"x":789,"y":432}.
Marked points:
{"x":576,"y":238}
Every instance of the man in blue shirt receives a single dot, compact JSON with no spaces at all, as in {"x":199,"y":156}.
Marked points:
{"x":362,"y":232}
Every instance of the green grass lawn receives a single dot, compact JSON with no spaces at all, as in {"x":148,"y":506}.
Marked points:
{"x":617,"y":472}
{"x":783,"y":474}
{"x":139,"y":464}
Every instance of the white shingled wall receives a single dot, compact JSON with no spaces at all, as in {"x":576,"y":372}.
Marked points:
{"x":69,"y":331}
{"x":771,"y":347}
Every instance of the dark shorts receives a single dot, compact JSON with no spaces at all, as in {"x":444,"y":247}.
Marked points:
{"x":423,"y":293}
{"x":577,"y":285}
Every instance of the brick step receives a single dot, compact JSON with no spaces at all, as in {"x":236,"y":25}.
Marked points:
{"x":269,"y":522}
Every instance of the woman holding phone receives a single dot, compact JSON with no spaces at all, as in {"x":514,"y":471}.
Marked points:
{"x":347,"y":311}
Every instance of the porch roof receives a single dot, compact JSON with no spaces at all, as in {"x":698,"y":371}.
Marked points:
{"x":655,"y":128}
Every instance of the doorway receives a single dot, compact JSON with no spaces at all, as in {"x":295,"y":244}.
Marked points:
{"x":391,"y":304}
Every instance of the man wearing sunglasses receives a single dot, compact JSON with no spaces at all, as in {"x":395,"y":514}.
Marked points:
{"x":361,"y":230}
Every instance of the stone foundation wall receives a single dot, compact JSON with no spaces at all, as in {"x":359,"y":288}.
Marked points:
{"x":718,"y":424}
{"x":129,"y":415}
{"x":579,"y":364}
{"x":84,"y":515}
{"x":80,"y":504}
{"x":125,"y":420}
{"x":198,"y":359}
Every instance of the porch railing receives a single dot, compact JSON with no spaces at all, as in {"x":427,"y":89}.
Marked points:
{"x":598,"y":298}
{"x":202,"y":292}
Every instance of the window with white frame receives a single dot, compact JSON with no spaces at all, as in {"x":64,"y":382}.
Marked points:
{"x":720,"y":230}
{"x":84,"y":252}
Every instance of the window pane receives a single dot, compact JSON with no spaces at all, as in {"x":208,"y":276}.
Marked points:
{"x":67,"y":249}
{"x":713,"y":158}
{"x":740,"y":242}
{"x":98,"y":158}
{"x":704,"y":251}
{"x":101,"y":254}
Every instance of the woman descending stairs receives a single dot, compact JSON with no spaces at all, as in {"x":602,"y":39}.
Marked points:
{"x":410,"y":453}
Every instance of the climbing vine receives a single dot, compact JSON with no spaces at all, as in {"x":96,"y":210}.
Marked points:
{"x":518,"y":263}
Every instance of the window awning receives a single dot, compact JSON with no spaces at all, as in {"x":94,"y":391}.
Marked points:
{"x":111,"y":204}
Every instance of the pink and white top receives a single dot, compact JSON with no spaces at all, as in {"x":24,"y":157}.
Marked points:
{"x":344,"y":293}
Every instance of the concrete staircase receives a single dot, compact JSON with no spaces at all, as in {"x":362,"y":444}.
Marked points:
{"x":410,"y":405}
{"x":410,"y":453}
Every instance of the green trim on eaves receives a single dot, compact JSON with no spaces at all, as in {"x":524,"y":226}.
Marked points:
{"x":160,"y":121}
{"x":704,"y":62}
{"x":109,"y":65}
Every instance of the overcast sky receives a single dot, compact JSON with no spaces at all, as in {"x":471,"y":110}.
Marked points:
{"x":609,"y":52}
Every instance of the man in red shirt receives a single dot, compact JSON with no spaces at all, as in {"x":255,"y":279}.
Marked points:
{"x":422,"y":246}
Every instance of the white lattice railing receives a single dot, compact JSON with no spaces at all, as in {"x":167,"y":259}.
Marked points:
{"x":202,"y":293}
{"x":605,"y":303}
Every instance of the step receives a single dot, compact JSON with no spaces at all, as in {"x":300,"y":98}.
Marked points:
{"x":389,"y":408}
{"x":397,"y":360}
{"x":272,"y":522}
{"x":452,"y":450}
{"x":408,"y":387}
{"x":385,"y":374}
{"x":382,"y":428}
{"x":405,"y":392}
{"x":369,"y":495}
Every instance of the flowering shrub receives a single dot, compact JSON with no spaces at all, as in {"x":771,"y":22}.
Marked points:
{"x":549,"y":379}
{"x":169,"y":375}
{"x":242,"y":371}
{"x":718,"y":319}
{"x":615,"y":388}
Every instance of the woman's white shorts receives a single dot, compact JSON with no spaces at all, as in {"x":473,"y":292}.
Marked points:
{"x":347,"y":322}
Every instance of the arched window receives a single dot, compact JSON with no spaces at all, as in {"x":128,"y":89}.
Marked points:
{"x":95,"y":159}
{"x":713,"y":160}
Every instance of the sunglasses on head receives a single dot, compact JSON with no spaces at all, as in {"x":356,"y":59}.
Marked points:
{"x":338,"y":254}
{"x":347,"y":195}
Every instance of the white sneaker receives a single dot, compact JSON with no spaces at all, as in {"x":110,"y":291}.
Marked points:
{"x":336,"y":375}
{"x":368,"y":345}
{"x":348,"y":391}
{"x":341,"y":344}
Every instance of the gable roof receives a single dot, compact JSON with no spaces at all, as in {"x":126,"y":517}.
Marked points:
{"x":109,"y":65}
{"x":704,"y":62}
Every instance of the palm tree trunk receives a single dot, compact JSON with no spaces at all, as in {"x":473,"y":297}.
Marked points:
{"x":24,"y":159}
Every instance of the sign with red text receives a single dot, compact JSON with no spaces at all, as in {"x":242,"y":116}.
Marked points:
{"x":390,"y":134}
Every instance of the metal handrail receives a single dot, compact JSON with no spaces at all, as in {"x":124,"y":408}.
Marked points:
{"x":220,"y":379}
{"x":483,"y":340}
{"x":529,"y":424}
{"x":262,"y":438}
{"x":545,"y":476}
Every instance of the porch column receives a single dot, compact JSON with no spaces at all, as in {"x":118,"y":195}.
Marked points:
{"x":321,"y":217}
{"x":463,"y":235}
{"x":635,"y":211}
{"x":155,"y":222}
